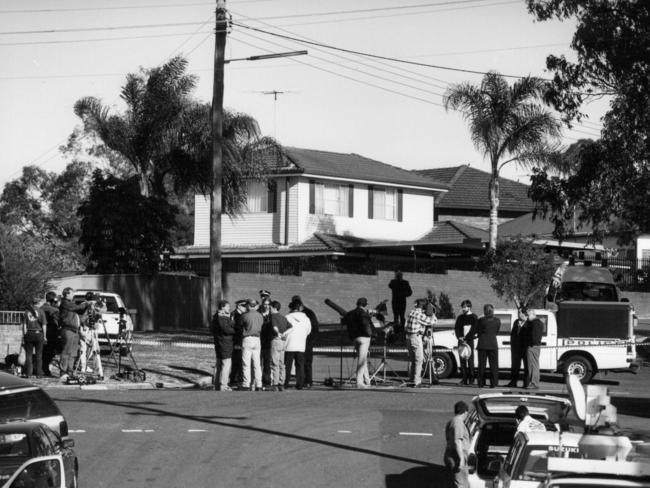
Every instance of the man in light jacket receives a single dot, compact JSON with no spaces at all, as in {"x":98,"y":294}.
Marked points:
{"x":296,"y":341}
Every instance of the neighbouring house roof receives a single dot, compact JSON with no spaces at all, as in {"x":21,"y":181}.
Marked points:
{"x":468,"y":190}
{"x":353,"y":167}
{"x":450,"y":232}
{"x":526,"y":225}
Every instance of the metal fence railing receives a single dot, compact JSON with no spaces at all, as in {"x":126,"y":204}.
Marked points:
{"x":11,"y":317}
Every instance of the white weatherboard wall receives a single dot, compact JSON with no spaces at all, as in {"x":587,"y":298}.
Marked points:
{"x":247,"y":229}
{"x":417,"y":213}
{"x":643,"y":246}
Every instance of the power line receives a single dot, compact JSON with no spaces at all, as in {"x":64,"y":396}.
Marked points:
{"x":295,"y":60}
{"x":107,"y":28}
{"x":375,"y":56}
{"x":124,"y":7}
{"x":394,"y":15}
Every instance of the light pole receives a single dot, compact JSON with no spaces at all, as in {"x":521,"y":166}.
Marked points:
{"x":221,"y":27}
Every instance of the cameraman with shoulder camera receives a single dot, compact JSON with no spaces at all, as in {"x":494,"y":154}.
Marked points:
{"x":416,"y":326}
{"x":360,"y":331}
{"x":70,"y":323}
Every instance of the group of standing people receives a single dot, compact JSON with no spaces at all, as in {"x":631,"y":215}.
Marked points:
{"x":525,"y":344}
{"x":257,"y":346}
{"x":60,"y":327}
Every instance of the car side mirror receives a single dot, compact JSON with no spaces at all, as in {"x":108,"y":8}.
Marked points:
{"x":67,"y":443}
{"x":471,"y":463}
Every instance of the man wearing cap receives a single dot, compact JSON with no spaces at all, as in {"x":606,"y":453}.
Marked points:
{"x":223,"y":330}
{"x":360,"y":331}
{"x":311,"y":338}
{"x":252,"y":322}
{"x":236,"y":364}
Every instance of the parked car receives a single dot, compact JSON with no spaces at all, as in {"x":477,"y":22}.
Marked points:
{"x":32,"y":454}
{"x":492,"y":426}
{"x":21,"y":400}
{"x":572,"y":460}
{"x":581,"y":338}
{"x":116,"y":330}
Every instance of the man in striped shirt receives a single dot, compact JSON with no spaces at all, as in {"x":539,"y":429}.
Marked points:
{"x":416,"y":324}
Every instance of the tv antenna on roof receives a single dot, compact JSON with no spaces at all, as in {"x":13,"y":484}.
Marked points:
{"x":275,"y":94}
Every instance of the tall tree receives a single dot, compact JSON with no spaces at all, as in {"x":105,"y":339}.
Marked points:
{"x":123,"y":231}
{"x":519,"y":272}
{"x":507,"y":125}
{"x":43,"y":205}
{"x":165,"y":136}
{"x":609,"y":185}
{"x":27,"y":268}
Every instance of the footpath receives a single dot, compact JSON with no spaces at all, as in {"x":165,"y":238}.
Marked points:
{"x":186,"y":359}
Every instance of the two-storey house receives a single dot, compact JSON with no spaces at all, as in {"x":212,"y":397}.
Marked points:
{"x":320,"y":202}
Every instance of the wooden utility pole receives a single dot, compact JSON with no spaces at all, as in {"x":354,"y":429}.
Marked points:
{"x":221,"y":27}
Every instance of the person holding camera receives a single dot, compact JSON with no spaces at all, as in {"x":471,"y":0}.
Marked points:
{"x":359,"y":328}
{"x":416,"y":326}
{"x":70,"y":323}
{"x":52,"y":341}
{"x":464,"y":323}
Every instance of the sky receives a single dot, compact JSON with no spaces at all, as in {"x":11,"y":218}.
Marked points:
{"x":54,"y":52}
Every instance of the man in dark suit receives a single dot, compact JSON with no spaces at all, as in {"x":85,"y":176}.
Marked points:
{"x":518,"y":350}
{"x":401,"y":290}
{"x":486,"y":330}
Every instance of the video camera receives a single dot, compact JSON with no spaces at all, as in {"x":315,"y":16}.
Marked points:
{"x":122,"y":320}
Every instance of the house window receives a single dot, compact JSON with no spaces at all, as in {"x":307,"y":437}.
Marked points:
{"x":330,"y":199}
{"x":384,"y":203}
{"x":261,"y":197}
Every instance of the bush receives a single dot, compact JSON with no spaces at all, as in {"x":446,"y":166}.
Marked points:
{"x":445,"y":306}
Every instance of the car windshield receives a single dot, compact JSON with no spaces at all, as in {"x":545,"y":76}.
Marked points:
{"x":27,"y":405}
{"x":581,"y":291}
{"x":13,"y":445}
{"x":541,"y":408}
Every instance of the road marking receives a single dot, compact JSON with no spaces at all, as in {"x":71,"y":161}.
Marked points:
{"x":344,"y":431}
{"x":132,"y":431}
{"x":76,"y":431}
{"x":196,"y":430}
{"x":149,"y":430}
{"x":426,"y":434}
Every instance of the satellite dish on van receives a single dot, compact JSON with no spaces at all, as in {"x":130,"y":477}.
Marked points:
{"x":577,"y":395}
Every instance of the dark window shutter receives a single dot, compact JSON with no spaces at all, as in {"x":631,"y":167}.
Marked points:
{"x":272,"y":202}
{"x":371,"y":195}
{"x":351,"y":200}
{"x":400,"y":198}
{"x":312,"y":197}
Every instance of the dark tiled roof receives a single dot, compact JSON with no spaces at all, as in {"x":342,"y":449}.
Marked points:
{"x":539,"y":227}
{"x":450,"y":232}
{"x":469,"y":190}
{"x":353,"y":166}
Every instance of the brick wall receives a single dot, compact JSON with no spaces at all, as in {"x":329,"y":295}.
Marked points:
{"x":344,"y":289}
{"x":10,"y":338}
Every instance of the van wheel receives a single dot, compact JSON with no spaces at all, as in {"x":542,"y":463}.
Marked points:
{"x":443,"y":364}
{"x":75,"y":479}
{"x":580,"y":367}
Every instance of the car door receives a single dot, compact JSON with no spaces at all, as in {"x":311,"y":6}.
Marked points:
{"x":548,"y":353}
{"x":503,"y":339}
{"x":67,"y":454}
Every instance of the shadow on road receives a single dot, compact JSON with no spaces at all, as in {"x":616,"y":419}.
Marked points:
{"x":142,"y":409}
{"x":637,"y":407}
{"x":190,"y":370}
{"x":434,"y":475}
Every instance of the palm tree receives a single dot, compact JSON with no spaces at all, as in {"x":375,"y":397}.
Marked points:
{"x":165,"y":135}
{"x":506,"y":125}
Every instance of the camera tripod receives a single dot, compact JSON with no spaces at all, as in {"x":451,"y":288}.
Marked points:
{"x":122,"y":347}
{"x":429,"y":367}
{"x":383,"y":368}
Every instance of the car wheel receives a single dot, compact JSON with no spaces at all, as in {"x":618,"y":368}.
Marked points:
{"x":580,"y":367}
{"x":443,"y":364}
{"x":75,"y":479}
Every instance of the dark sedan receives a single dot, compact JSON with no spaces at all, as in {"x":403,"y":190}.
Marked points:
{"x":33,"y":455}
